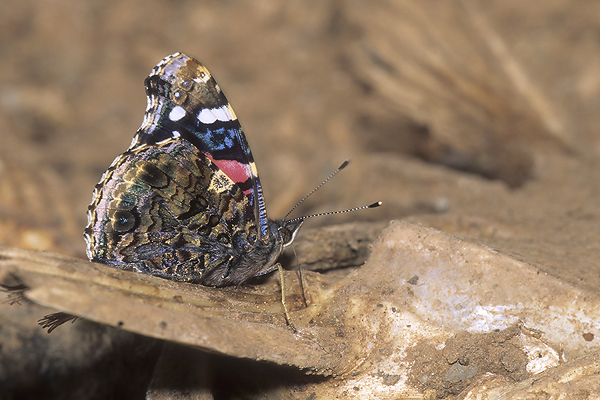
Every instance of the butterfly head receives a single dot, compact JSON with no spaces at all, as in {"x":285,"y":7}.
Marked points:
{"x":287,"y":230}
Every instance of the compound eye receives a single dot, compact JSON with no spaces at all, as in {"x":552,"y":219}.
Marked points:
{"x":288,"y":230}
{"x":286,"y":236}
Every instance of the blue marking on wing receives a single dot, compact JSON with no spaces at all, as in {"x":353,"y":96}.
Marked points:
{"x":223,"y":140}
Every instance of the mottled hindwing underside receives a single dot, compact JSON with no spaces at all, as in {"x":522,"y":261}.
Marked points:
{"x":168,"y":210}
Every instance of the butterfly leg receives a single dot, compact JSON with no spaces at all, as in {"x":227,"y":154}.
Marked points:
{"x":285,"y":309}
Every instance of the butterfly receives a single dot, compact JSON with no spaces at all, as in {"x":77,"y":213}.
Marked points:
{"x":184,"y":202}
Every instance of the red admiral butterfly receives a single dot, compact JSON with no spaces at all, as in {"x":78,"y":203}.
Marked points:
{"x":184,"y":202}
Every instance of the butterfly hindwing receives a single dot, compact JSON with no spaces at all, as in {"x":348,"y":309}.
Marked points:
{"x":172,"y":212}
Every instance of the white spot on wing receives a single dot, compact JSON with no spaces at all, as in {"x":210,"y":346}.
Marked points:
{"x":222,"y":113}
{"x":176,"y":114}
{"x":176,"y":134}
{"x":210,"y":115}
{"x":167,"y":140}
{"x":206,"y":116}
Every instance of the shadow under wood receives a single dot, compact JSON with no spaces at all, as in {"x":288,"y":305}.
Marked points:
{"x":245,"y":322}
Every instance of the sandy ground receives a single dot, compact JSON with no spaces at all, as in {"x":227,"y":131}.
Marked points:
{"x":476,"y":119}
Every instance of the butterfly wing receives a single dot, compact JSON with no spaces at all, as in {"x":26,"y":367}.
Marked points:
{"x":185,"y":101}
{"x":184,"y":201}
{"x":168,"y":210}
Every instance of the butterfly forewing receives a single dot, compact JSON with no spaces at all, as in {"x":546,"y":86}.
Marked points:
{"x":185,"y":101}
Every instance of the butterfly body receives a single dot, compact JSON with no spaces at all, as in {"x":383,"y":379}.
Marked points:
{"x":184,"y":202}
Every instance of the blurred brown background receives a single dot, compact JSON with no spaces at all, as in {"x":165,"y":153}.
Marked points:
{"x":475,"y":86}
{"x":467,"y":115}
{"x":478,"y":118}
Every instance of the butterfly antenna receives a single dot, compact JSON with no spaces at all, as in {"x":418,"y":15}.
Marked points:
{"x":374,"y":205}
{"x":341,"y":167}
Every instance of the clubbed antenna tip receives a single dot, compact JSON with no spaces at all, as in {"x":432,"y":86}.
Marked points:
{"x":373,"y":205}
